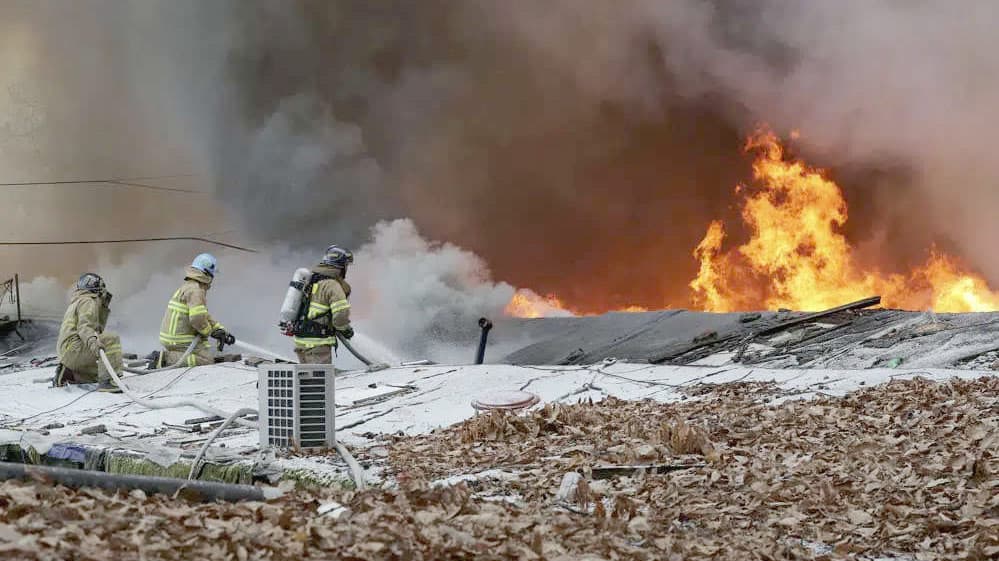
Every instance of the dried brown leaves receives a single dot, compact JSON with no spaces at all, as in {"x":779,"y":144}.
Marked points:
{"x":909,"y":468}
{"x":906,"y":467}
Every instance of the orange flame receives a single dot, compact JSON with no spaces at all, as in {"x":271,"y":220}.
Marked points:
{"x":527,"y":304}
{"x":797,"y":258}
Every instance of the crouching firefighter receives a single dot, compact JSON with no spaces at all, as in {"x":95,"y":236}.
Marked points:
{"x":82,"y":337}
{"x":187,"y":317}
{"x":322,"y":311}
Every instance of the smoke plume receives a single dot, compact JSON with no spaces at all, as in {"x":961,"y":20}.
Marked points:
{"x":580,"y":147}
{"x":576,"y":146}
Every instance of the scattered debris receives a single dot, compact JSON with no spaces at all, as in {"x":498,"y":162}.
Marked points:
{"x":567,"y":490}
{"x":96,"y":429}
{"x":199,"y":420}
{"x":383,"y":397}
{"x":228,"y":357}
{"x":255,"y":361}
{"x":332,"y":510}
{"x":606,"y":472}
{"x":423,"y":362}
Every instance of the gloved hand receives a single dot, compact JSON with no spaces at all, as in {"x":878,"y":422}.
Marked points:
{"x":219,"y":333}
{"x":95,"y":345}
{"x":347,"y":332}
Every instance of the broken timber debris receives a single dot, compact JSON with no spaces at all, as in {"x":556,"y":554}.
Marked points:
{"x":607,"y":472}
{"x":702,"y":341}
{"x":199,"y":420}
{"x":858,"y":305}
{"x":785,"y":325}
{"x":96,"y":429}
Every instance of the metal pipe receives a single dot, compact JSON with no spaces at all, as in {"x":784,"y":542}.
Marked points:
{"x":203,"y":491}
{"x":485,"y":325}
{"x":17,"y":291}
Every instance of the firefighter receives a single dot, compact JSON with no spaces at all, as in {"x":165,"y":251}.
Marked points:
{"x":187,"y":317}
{"x":328,"y":312}
{"x":82,"y":335}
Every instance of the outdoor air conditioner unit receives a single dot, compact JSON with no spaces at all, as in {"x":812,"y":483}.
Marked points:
{"x":296,"y":405}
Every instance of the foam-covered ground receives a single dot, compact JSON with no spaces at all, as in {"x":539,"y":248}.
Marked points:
{"x":405,"y":400}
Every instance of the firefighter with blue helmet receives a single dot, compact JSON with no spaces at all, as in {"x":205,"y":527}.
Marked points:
{"x":187,"y":317}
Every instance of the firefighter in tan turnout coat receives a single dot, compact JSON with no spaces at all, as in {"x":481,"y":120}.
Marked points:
{"x":82,"y":335}
{"x":187,"y":317}
{"x":328,"y":312}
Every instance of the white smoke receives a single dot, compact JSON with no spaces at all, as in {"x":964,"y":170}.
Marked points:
{"x":419,"y":297}
{"x":412,"y":298}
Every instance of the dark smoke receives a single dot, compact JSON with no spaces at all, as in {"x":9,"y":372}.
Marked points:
{"x":578,"y":146}
{"x":344,"y":113}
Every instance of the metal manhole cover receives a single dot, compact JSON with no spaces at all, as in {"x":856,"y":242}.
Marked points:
{"x":511,"y":399}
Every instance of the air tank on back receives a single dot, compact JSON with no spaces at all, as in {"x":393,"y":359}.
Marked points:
{"x":293,"y":298}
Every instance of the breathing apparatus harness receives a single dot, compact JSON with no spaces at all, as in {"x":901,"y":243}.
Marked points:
{"x":303,"y":326}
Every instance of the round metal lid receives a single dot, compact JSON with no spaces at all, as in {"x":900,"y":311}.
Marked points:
{"x":506,"y":399}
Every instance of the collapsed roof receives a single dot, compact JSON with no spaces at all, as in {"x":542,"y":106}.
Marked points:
{"x":847,"y":337}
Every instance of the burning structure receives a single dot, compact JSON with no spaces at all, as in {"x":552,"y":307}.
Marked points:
{"x":574,"y":158}
{"x":797,"y":255}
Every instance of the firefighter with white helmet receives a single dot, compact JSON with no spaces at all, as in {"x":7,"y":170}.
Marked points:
{"x":325,"y":309}
{"x":187,"y":317}
{"x":82,"y":336}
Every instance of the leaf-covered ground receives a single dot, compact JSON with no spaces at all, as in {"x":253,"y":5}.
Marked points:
{"x":905,"y":470}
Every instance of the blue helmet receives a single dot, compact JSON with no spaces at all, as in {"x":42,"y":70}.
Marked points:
{"x":205,"y":263}
{"x":337,"y":256}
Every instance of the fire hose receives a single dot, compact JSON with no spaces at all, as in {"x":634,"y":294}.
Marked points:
{"x":190,"y":349}
{"x":372,"y":365}
{"x":150,"y":404}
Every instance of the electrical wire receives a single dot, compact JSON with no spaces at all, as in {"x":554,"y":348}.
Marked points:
{"x":120,"y":182}
{"x":166,"y":404}
{"x":357,"y":472}
{"x":134,"y":240}
{"x":63,"y":406}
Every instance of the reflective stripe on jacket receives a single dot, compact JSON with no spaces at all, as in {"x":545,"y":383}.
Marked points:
{"x":328,"y":306}
{"x":83,"y":321}
{"x":187,"y":313}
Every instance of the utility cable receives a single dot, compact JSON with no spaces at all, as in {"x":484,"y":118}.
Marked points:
{"x":166,"y":404}
{"x":134,"y":240}
{"x":357,"y":473}
{"x":63,"y":406}
{"x":122,"y":182}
